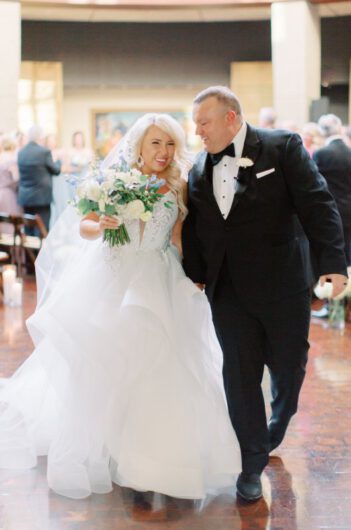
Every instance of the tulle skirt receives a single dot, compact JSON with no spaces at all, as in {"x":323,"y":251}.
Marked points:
{"x":124,"y":384}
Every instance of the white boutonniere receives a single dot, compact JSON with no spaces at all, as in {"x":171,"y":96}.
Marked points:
{"x":244,"y":162}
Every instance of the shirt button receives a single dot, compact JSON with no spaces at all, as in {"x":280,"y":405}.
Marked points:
{"x":225,"y":165}
{"x":224,"y":181}
{"x":223,"y":196}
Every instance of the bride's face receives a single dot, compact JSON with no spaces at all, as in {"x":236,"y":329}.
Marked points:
{"x":157,"y":150}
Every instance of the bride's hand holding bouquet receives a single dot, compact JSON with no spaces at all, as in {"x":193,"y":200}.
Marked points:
{"x":114,"y":195}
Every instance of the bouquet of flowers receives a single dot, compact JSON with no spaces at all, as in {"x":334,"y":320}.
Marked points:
{"x":327,"y":290}
{"x":339,"y":307}
{"x":119,"y":191}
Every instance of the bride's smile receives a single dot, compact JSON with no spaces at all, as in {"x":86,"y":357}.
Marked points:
{"x":157,"y":150}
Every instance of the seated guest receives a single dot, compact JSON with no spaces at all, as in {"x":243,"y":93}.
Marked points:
{"x":36,"y":169}
{"x":8,"y":180}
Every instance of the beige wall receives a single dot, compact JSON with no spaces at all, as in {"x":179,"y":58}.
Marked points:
{"x":78,"y":105}
{"x":253,"y":84}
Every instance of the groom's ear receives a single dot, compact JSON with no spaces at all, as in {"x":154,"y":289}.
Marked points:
{"x":231,"y":117}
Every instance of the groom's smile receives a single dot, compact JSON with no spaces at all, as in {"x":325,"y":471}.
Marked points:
{"x":216,"y":124}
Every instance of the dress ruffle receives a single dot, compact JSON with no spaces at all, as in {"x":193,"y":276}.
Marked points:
{"x":124,"y":384}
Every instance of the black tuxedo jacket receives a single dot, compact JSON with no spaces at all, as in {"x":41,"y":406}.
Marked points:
{"x":334,"y":162}
{"x":266,"y":250}
{"x":36,"y":169}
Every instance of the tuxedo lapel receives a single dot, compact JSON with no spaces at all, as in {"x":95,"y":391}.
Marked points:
{"x":251,"y":150}
{"x":202,"y":167}
{"x":205,"y":171}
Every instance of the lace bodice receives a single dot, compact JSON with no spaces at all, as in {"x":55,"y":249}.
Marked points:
{"x":153,"y":235}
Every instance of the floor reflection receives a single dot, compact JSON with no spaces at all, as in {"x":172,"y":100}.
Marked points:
{"x":13,"y":324}
{"x":306,"y":485}
{"x":282,"y":498}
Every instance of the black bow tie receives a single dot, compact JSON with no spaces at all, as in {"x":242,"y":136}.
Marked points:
{"x":217,"y":157}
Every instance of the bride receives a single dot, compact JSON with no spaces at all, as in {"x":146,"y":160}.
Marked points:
{"x":125,"y":383}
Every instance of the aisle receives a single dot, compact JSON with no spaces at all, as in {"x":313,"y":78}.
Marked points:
{"x":307,"y":485}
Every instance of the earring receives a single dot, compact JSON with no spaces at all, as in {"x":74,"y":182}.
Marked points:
{"x":140,"y":161}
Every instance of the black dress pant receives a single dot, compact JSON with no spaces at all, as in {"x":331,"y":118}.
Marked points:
{"x":44,"y":212}
{"x":273,"y":334}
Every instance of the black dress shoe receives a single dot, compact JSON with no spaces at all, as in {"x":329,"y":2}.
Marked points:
{"x":276,"y":431}
{"x":249,"y":487}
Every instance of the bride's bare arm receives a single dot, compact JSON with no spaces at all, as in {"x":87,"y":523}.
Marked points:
{"x":93,"y":225}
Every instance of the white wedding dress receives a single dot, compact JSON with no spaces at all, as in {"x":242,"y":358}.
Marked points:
{"x":125,"y":383}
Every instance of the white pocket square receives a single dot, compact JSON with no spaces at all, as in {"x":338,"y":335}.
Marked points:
{"x":264,"y":173}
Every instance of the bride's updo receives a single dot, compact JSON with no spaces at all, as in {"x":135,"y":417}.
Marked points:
{"x":129,"y":148}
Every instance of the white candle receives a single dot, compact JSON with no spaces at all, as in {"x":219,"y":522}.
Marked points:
{"x":8,"y":278}
{"x":17,"y":290}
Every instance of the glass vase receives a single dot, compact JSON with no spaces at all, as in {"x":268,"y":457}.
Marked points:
{"x":336,"y":319}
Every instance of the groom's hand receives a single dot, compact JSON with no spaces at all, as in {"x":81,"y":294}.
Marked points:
{"x":339,"y":282}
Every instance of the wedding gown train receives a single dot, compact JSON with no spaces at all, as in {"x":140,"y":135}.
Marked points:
{"x":125,"y":383}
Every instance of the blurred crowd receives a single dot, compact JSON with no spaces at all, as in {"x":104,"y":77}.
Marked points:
{"x":34,"y":173}
{"x":328,"y":143}
{"x":34,"y":170}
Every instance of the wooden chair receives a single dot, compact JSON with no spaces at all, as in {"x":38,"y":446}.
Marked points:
{"x":22,"y":247}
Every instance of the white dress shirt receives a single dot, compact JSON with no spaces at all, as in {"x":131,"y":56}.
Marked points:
{"x":225,"y":173}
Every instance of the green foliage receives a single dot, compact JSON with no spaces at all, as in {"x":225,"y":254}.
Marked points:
{"x":86,"y":206}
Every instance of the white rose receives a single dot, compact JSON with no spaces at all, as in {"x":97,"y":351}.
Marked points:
{"x":244,"y":162}
{"x":93,"y":190}
{"x":122,"y":175}
{"x":107,"y":185}
{"x":146,"y":216}
{"x":81,"y":190}
{"x":130,"y":178}
{"x":109,"y":174}
{"x":325,"y":291}
{"x":135,"y":173}
{"x":134,"y":209}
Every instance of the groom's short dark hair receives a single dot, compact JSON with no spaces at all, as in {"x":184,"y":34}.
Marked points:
{"x":223,"y":94}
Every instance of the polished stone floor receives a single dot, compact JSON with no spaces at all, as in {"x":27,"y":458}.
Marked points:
{"x":307,"y":484}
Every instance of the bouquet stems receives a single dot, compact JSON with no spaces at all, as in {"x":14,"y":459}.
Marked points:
{"x":117,"y":236}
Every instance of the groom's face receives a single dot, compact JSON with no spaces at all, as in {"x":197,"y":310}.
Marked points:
{"x":214,"y":124}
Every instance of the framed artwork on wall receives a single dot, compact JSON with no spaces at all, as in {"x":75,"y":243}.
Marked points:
{"x":109,"y":126}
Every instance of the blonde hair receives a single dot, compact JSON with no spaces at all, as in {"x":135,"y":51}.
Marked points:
{"x":8,"y":143}
{"x":129,"y":148}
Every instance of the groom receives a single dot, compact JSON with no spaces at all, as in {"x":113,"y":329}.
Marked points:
{"x":249,"y":193}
